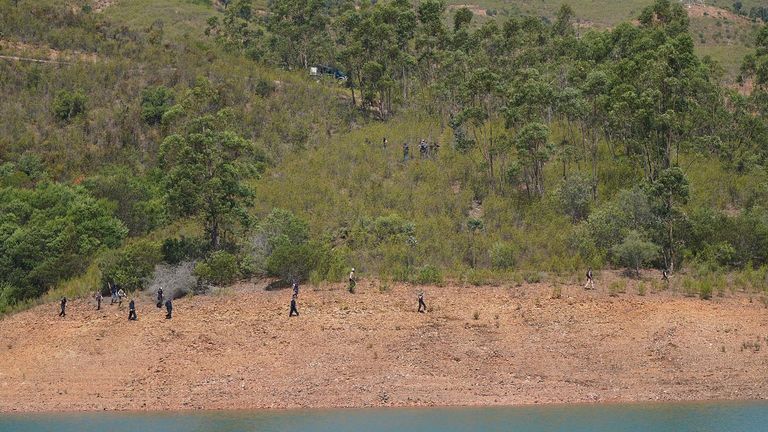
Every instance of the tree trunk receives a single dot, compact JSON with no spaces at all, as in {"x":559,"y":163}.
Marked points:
{"x":215,"y":240}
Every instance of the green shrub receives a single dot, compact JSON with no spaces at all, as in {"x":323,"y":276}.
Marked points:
{"x":155,"y":102}
{"x":281,"y":248}
{"x":176,"y":250}
{"x":280,"y":229}
{"x":477,"y":277}
{"x":131,"y":266}
{"x":282,"y":225}
{"x":331,"y":264}
{"x":264,"y":87}
{"x":580,"y":240}
{"x":137,"y":200}
{"x":533,"y":277}
{"x":49,"y":234}
{"x":617,"y":287}
{"x":68,"y":105}
{"x":429,"y":274}
{"x":8,"y":297}
{"x":641,"y":289}
{"x":31,"y":165}
{"x":291,"y":261}
{"x":705,"y":288}
{"x":315,"y":278}
{"x":503,"y":255}
{"x":690,"y":288}
{"x":634,"y":251}
{"x":401,"y":273}
{"x":384,"y":283}
{"x":575,"y":197}
{"x":220,"y":268}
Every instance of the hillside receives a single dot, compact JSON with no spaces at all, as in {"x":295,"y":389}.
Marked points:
{"x":488,"y":155}
{"x":184,"y":141}
{"x":476,"y":346}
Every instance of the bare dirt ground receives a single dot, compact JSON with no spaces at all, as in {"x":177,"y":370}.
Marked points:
{"x":240,"y":350}
{"x":698,"y":11}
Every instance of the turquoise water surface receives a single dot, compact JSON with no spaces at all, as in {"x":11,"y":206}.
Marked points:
{"x":676,"y":417}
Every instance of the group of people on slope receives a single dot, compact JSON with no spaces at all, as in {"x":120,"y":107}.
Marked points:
{"x":118,"y":294}
{"x":117,"y":297}
{"x":426,"y":149}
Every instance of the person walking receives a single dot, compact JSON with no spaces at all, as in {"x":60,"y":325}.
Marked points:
{"x":168,"y":309}
{"x":98,"y":298}
{"x":665,"y":276}
{"x":352,"y":282}
{"x":113,"y":291}
{"x":422,"y":305}
{"x":160,"y":297}
{"x":590,"y":280}
{"x":120,"y":296}
{"x":132,"y":310}
{"x":293,"y":307}
{"x":295,"y":289}
{"x":63,"y":312}
{"x":406,"y":152}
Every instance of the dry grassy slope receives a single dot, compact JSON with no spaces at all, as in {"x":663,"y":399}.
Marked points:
{"x":240,"y":350}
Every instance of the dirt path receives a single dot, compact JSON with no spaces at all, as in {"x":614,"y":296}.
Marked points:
{"x":240,"y":350}
{"x":34,"y":60}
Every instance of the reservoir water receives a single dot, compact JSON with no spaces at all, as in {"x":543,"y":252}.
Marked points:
{"x":668,"y":417}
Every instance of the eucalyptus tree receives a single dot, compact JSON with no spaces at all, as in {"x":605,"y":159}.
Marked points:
{"x":534,"y":150}
{"x":206,"y":165}
{"x":374,"y":44}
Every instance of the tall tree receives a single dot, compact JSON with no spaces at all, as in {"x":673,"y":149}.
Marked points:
{"x":534,"y":150}
{"x":669,"y":191}
{"x":206,"y":166}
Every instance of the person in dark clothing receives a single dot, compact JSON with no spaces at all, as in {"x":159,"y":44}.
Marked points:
{"x":423,"y":148}
{"x":160,"y":297}
{"x":590,"y":280}
{"x":665,"y":276}
{"x":168,"y":309}
{"x":295,"y":289}
{"x":63,"y":312}
{"x":384,"y":143}
{"x":113,"y":291}
{"x":132,"y":311}
{"x":98,"y":297}
{"x":406,"y":152}
{"x":422,"y":305}
{"x":293,"y":307}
